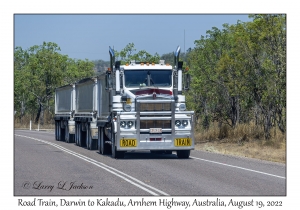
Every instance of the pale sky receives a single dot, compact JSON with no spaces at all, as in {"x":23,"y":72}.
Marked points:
{"x":89,"y":36}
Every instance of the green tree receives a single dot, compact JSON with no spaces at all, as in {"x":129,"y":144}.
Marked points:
{"x":241,"y":70}
{"x":127,"y":54}
{"x":38,"y":71}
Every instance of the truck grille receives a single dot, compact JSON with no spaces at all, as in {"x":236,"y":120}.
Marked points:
{"x":146,"y":124}
{"x":155,"y":107}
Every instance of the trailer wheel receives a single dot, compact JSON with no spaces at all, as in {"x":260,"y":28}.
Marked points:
{"x":76,"y":133}
{"x":61,"y":132}
{"x":183,"y":154}
{"x":71,"y":138}
{"x":81,"y":136}
{"x":88,"y":137}
{"x":56,"y":130}
{"x":67,"y":136}
{"x":91,"y":143}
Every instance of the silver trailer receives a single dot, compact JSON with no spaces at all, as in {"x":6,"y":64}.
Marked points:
{"x":92,"y":106}
{"x":64,"y":113}
{"x":137,"y":106}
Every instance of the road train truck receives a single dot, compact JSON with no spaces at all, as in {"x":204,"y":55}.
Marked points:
{"x":132,"y":107}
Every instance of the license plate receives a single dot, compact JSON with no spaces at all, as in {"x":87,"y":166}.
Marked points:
{"x":128,"y":143}
{"x":155,"y":130}
{"x":183,"y":142}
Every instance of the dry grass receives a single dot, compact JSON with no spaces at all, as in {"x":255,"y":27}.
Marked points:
{"x":25,"y":123}
{"x":245,"y":141}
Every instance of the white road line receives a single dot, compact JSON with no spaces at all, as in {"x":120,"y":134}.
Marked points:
{"x":246,"y":169}
{"x":118,"y":173}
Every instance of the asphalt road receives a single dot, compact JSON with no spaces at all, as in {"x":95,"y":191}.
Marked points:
{"x":44,"y":166}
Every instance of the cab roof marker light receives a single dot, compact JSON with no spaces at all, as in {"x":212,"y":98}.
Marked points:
{"x":161,"y":62}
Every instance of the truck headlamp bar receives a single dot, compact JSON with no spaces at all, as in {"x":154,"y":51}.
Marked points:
{"x":180,"y":123}
{"x":126,"y":124}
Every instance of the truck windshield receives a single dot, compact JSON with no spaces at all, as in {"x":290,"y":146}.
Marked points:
{"x":140,"y":78}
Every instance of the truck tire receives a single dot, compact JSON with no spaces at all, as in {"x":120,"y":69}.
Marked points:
{"x":67,"y":134}
{"x":91,"y":143}
{"x":114,"y":153}
{"x":71,"y":138}
{"x":76,"y":133}
{"x":56,"y":130}
{"x":103,"y":148}
{"x":68,"y":137}
{"x":61,"y":131}
{"x":88,"y":137}
{"x":81,"y":136}
{"x":183,"y":154}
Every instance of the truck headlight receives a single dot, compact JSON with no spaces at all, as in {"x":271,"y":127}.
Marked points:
{"x":178,"y":123}
{"x":129,"y":124}
{"x":123,"y":124}
{"x":185,"y":123}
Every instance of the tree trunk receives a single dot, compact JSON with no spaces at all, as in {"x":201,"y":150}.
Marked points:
{"x":42,"y":115}
{"x":268,"y":124}
{"x":38,"y":113}
{"x":22,"y":111}
{"x":235,"y":110}
{"x":280,"y":122}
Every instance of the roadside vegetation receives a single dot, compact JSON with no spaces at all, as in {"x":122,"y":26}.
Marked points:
{"x":237,"y":85}
{"x":245,"y":140}
{"x":238,"y":88}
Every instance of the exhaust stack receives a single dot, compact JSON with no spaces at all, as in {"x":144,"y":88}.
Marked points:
{"x":176,"y":76}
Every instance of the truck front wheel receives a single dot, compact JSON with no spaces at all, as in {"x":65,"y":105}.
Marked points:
{"x":183,"y":154}
{"x":114,"y":153}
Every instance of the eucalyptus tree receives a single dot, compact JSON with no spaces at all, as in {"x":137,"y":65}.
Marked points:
{"x":128,"y":54}
{"x":38,"y":71}
{"x":239,"y":70}
{"x":262,"y":48}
